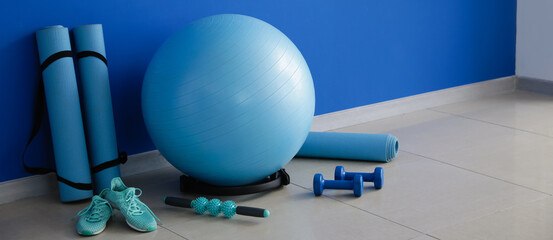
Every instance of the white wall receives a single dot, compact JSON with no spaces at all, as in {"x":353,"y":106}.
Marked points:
{"x":534,"y":47}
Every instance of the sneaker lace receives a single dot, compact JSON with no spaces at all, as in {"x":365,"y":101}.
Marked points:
{"x":134,"y":208}
{"x":96,"y":213}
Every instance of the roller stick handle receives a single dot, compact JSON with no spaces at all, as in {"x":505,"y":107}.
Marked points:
{"x":252,"y":212}
{"x":178,"y":202}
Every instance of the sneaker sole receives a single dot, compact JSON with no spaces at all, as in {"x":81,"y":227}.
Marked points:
{"x":138,"y":229}
{"x":87,"y":233}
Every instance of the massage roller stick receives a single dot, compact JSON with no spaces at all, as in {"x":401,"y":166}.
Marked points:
{"x":215,"y":206}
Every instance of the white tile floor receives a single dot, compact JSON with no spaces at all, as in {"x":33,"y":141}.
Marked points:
{"x":480,"y":169}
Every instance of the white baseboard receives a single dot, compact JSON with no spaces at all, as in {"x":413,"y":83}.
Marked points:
{"x":26,"y":187}
{"x":38,"y":185}
{"x":358,"y":115}
{"x":138,"y":163}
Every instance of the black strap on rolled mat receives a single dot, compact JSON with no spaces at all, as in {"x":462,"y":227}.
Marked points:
{"x":122,"y":159}
{"x":54,"y":57}
{"x":92,"y":54}
{"x":275,"y":180}
{"x":39,"y":114}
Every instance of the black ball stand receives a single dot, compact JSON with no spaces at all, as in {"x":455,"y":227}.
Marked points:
{"x":276,"y":180}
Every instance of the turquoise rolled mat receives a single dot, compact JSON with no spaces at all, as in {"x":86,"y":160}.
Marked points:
{"x":354,"y":146}
{"x":99,"y":123}
{"x":64,"y":112}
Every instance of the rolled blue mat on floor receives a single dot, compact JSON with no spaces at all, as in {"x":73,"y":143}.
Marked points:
{"x":64,"y":111}
{"x":355,"y":146}
{"x":100,"y":126}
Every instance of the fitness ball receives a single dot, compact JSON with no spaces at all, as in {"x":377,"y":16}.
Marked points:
{"x":228,"y":99}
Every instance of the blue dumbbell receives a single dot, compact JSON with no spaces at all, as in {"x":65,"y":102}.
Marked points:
{"x":320,"y":184}
{"x":377,"y":177}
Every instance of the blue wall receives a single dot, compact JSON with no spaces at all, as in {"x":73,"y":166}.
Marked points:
{"x":359,"y":52}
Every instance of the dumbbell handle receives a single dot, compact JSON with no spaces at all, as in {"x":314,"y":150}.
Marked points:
{"x":246,"y":211}
{"x":319,"y":184}
{"x":366,"y":176}
{"x":377,"y":176}
{"x":338,"y":184}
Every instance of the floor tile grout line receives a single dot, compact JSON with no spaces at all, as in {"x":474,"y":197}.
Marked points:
{"x":374,"y":214}
{"x":433,"y":237}
{"x":479,"y":173}
{"x":173,"y":232}
{"x":500,"y":210}
{"x":492,"y":123}
{"x":429,"y":234}
{"x":425,"y":235}
{"x":489,"y":214}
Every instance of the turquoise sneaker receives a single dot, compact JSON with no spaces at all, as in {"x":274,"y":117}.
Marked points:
{"x":93,"y":218}
{"x":139,"y":217}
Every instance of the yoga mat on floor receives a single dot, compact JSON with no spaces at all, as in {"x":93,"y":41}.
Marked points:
{"x":355,"y":146}
{"x":98,"y":110}
{"x":64,"y":112}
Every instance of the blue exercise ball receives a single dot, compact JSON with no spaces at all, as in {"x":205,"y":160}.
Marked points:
{"x":228,"y":100}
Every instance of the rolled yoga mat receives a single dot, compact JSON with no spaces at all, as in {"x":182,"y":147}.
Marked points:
{"x":64,"y":111}
{"x":355,"y":146}
{"x":98,"y":110}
